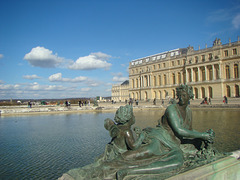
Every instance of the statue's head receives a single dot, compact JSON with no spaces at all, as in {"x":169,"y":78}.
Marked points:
{"x":184,"y":91}
{"x":124,"y":114}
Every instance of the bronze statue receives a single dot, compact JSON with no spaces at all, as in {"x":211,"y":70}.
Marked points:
{"x":172,"y":147}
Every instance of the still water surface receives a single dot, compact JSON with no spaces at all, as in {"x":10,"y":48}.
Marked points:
{"x":46,"y":146}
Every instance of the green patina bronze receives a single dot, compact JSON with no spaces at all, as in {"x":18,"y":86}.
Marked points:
{"x":151,"y":153}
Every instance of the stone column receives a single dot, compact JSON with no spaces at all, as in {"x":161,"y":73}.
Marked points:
{"x":231,"y":68}
{"x":150,"y":80}
{"x":213,"y":71}
{"x":220,"y":71}
{"x":186,"y":76}
{"x":191,"y":74}
{"x":206,"y":78}
{"x":198,"y":68}
{"x":238,"y":70}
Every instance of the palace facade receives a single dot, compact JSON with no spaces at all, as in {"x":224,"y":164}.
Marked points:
{"x":212,"y":72}
{"x":120,"y":92}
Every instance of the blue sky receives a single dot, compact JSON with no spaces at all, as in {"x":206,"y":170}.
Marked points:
{"x":76,"y":48}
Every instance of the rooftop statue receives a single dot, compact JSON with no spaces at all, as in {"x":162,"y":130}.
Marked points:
{"x":170,"y":148}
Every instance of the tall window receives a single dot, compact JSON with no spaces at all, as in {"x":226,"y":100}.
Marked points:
{"x":196,"y":93}
{"x":227,"y":72}
{"x":210,"y":74}
{"x":159,"y":66}
{"x":165,"y":79}
{"x":196,"y":76}
{"x":173,"y":78}
{"x":236,"y":91}
{"x":217,"y":72}
{"x":210,"y":56}
{"x":164,"y":65}
{"x":226,"y":53}
{"x":133,"y":83}
{"x":179,"y":78}
{"x":228,"y":91}
{"x":178,"y":62}
{"x":236,"y":73}
{"x":203,"y":58}
{"x":172,"y":63}
{"x":159,"y":80}
{"x":203,"y":75}
{"x":154,"y":81}
{"x":203,"y":92}
{"x":196,"y":59}
{"x":234,"y":51}
{"x":189,"y":76}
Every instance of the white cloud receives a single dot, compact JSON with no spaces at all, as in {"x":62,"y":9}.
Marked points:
{"x":236,"y":21}
{"x":1,"y":81}
{"x":85,"y":89}
{"x":34,"y":76}
{"x":117,"y":74}
{"x":42,"y":57}
{"x":1,"y":56}
{"x":119,"y":79}
{"x":93,"y":61}
{"x":58,"y":78}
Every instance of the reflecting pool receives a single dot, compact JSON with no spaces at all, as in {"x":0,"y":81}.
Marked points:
{"x":46,"y":146}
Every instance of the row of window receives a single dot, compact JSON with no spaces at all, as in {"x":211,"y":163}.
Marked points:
{"x":181,"y":62}
{"x":177,"y":79}
{"x":196,"y":91}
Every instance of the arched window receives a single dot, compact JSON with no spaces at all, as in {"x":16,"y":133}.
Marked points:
{"x":203,"y":75}
{"x":236,"y":73}
{"x":228,"y":91}
{"x":196,"y":76}
{"x":210,"y":74}
{"x":236,"y":90}
{"x":154,"y":94}
{"x":203,"y":92}
{"x":154,"y":81}
{"x":179,"y":78}
{"x":210,"y":92}
{"x":189,"y":76}
{"x":160,"y":95}
{"x":159,"y":80}
{"x":196,"y":93}
{"x":173,"y":94}
{"x":227,"y":72}
{"x":165,"y":79}
{"x":165,"y":93}
{"x":146,"y":95}
{"x":173,"y":78}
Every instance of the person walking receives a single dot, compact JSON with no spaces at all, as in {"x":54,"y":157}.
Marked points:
{"x":209,"y":101}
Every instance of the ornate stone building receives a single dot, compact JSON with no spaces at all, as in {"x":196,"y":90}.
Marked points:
{"x":212,"y":72}
{"x":120,"y":92}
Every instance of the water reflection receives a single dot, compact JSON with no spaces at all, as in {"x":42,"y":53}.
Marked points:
{"x":44,"y":147}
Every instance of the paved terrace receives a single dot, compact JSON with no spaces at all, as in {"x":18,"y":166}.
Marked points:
{"x":23,"y":109}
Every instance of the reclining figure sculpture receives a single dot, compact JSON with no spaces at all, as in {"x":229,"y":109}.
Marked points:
{"x":170,"y":148}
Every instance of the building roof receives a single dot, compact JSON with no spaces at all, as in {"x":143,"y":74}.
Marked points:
{"x":125,"y":82}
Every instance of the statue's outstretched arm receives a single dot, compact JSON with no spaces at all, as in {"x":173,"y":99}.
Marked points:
{"x":174,"y":121}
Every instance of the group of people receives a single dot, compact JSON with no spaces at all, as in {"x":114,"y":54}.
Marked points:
{"x":209,"y":100}
{"x":206,"y":101}
{"x":82,"y":103}
{"x":67,"y":103}
{"x":29,"y":104}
